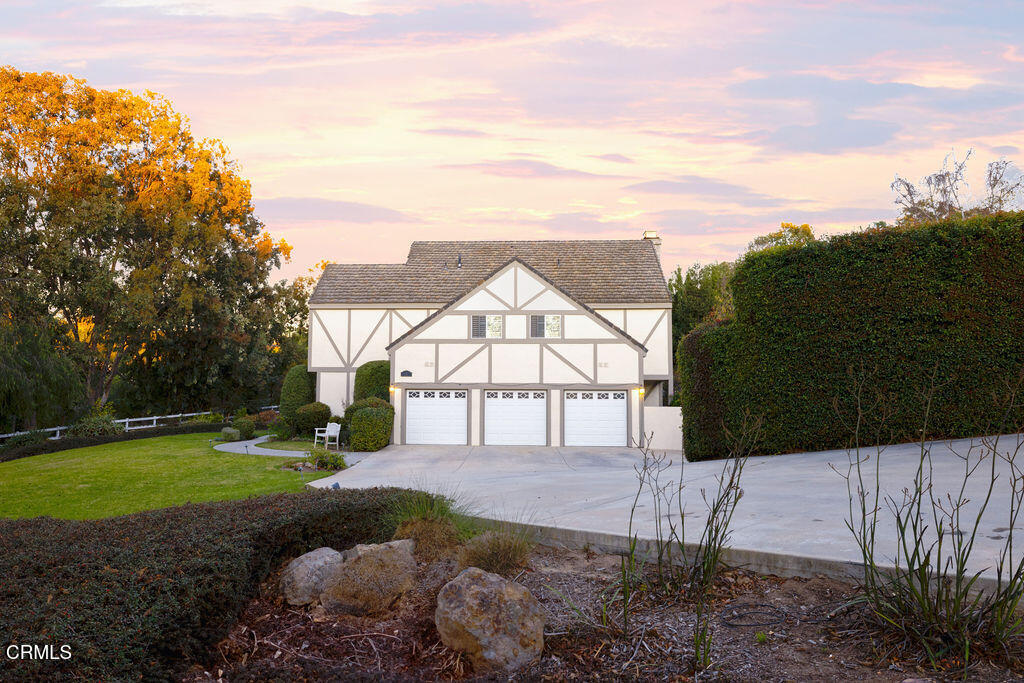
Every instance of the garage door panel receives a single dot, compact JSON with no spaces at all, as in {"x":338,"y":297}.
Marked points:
{"x":436,"y":416}
{"x":595,"y":418}
{"x":515,"y":418}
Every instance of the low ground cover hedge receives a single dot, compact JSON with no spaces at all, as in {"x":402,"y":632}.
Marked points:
{"x":891,"y":306}
{"x":143,"y":595}
{"x":24,"y":450}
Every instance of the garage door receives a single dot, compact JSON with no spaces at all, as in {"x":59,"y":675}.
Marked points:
{"x":435,"y":416}
{"x":515,"y":418}
{"x":595,"y":418}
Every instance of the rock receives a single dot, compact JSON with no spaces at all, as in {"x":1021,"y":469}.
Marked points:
{"x":370,"y":579}
{"x":303,"y":580}
{"x":497,"y":622}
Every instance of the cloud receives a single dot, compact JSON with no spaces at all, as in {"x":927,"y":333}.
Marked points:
{"x":318,"y":209}
{"x":699,"y":186}
{"x":834,"y":134}
{"x":454,"y":132}
{"x":526,"y":168}
{"x":583,"y":222}
{"x":1006,"y":149}
{"x":617,"y":158}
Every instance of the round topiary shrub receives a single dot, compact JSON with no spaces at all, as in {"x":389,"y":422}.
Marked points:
{"x":373,"y":379}
{"x":370,"y":429}
{"x":245,"y":425}
{"x":310,"y":417}
{"x":296,"y":391}
{"x":229,"y":434}
{"x":372,"y":402}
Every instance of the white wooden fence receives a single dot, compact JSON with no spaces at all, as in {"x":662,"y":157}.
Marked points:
{"x":130,"y":423}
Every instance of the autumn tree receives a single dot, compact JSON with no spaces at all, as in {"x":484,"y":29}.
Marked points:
{"x":139,"y":238}
{"x":788,"y":235}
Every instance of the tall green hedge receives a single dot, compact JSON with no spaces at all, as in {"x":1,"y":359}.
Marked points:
{"x":297,"y":390}
{"x":891,"y":306}
{"x":373,"y":379}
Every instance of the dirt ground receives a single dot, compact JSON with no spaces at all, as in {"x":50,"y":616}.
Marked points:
{"x":764,"y":629}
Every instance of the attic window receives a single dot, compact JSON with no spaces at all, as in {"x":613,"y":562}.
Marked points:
{"x":486,"y":327}
{"x":545,"y":326}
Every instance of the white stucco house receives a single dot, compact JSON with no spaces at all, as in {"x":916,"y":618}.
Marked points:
{"x":542,"y":343}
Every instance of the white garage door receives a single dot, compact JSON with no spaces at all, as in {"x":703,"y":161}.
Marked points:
{"x":435,"y":416}
{"x":515,"y":418}
{"x":595,"y":418}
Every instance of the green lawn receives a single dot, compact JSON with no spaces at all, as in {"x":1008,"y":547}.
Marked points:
{"x":128,"y":476}
{"x":288,"y":445}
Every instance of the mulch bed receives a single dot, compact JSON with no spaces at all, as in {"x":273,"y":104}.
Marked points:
{"x":806,"y":633}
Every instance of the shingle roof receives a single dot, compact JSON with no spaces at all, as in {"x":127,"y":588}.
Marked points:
{"x":592,"y":271}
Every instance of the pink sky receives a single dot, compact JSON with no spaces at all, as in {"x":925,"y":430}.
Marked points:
{"x":365,"y":125}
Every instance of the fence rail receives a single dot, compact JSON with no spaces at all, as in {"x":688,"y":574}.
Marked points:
{"x":130,"y":423}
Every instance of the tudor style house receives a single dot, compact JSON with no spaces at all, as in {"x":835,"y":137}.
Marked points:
{"x":558,"y":343}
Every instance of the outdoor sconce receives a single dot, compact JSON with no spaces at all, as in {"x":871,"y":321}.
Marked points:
{"x":392,"y":388}
{"x":639,"y":391}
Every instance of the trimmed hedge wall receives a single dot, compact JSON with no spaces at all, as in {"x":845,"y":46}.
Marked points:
{"x":373,"y":379}
{"x":69,"y":442}
{"x":297,"y":390}
{"x":142,"y":596}
{"x":891,"y":305}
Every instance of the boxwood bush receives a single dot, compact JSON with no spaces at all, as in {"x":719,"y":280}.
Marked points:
{"x":372,"y":402}
{"x":143,"y":596}
{"x":310,"y":417}
{"x":373,"y":379}
{"x":891,"y":305}
{"x":246,"y":427}
{"x":370,"y":429}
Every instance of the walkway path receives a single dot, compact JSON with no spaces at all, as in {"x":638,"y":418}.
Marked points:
{"x":790,"y":520}
{"x":251,"y":447}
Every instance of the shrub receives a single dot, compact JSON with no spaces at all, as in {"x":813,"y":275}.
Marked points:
{"x":98,"y":422}
{"x":324,"y":459}
{"x":373,"y":379}
{"x":337,"y":419}
{"x":895,"y":305}
{"x":209,"y":418}
{"x":69,"y":442}
{"x":265,"y":417}
{"x":297,"y":390}
{"x":310,"y":417}
{"x":281,"y":430}
{"x":246,"y":427}
{"x":143,"y":596}
{"x":372,"y":402}
{"x":370,"y":429}
{"x":230,"y":434}
{"x":27,"y":439}
{"x":499,"y":551}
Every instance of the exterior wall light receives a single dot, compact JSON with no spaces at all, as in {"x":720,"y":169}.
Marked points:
{"x":639,"y":391}
{"x":392,"y":388}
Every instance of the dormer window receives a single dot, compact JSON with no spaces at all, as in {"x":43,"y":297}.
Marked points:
{"x":546,"y":326}
{"x":486,"y":327}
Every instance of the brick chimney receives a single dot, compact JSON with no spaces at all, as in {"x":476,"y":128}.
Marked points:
{"x":652,"y":237}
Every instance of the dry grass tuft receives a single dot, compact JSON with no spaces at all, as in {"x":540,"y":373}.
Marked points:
{"x":435,"y":539}
{"x":500,"y":551}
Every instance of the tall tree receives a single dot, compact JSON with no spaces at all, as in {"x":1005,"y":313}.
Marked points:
{"x":945,"y":194}
{"x":141,"y":239}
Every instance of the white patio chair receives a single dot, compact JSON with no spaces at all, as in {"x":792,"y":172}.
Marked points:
{"x":329,"y":434}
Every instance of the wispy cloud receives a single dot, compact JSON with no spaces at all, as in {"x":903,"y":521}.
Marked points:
{"x":700,"y":187}
{"x":318,"y":209}
{"x":527,"y":168}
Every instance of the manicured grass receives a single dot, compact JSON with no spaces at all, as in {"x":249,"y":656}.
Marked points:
{"x":128,"y":476}
{"x":288,"y":445}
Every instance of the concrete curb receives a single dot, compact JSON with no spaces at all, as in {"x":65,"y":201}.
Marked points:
{"x":759,"y":561}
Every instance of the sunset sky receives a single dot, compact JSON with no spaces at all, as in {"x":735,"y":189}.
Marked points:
{"x":365,"y":125}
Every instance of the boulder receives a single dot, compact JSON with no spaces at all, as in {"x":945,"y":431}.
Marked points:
{"x":304,"y":579}
{"x":496,"y":622}
{"x":370,"y":579}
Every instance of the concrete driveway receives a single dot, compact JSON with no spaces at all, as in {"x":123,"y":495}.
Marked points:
{"x":790,"y":520}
